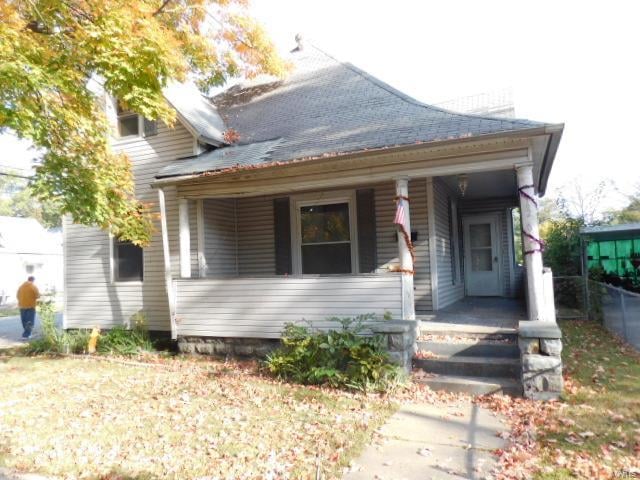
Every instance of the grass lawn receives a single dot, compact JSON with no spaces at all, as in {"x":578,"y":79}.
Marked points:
{"x":9,"y":311}
{"x":596,"y":431}
{"x":177,"y":418}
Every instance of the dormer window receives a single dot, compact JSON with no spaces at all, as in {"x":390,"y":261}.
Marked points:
{"x":130,"y":124}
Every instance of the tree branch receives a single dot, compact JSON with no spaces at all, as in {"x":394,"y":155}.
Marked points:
{"x":162,"y":7}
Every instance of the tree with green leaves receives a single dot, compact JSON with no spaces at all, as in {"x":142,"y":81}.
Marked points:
{"x":630,"y":213}
{"x":51,"y":51}
{"x":17,"y":200}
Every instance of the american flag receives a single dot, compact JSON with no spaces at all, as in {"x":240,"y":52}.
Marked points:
{"x":400,"y":212}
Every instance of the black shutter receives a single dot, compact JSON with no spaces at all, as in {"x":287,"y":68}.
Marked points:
{"x":282,"y":234}
{"x":150,"y":127}
{"x":366,"y":208}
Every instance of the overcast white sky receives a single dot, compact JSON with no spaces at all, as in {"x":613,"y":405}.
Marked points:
{"x":571,"y":62}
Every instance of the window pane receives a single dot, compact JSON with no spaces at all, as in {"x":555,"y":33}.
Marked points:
{"x":128,"y":262}
{"x":128,"y":126}
{"x":480,"y":235}
{"x":325,"y":223}
{"x":329,"y":258}
{"x":481,"y":260}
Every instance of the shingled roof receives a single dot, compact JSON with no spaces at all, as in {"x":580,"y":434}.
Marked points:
{"x":326,"y":107}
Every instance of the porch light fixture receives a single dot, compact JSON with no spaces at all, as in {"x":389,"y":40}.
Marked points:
{"x":463,"y":183}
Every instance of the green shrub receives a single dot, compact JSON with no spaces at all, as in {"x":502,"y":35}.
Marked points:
{"x":339,"y":358}
{"x":122,"y":341}
{"x":118,"y":341}
{"x":54,"y":340}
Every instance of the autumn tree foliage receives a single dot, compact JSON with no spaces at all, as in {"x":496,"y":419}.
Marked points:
{"x":51,"y":51}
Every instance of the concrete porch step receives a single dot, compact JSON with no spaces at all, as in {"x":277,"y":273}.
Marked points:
{"x":474,"y":385}
{"x":480,"y":348}
{"x":466,"y":366}
{"x":477,"y":332}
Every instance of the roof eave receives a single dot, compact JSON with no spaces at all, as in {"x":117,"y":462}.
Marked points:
{"x":525,"y":133}
{"x":555,"y":135}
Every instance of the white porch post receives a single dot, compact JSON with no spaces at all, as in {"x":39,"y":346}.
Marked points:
{"x":185,"y":238}
{"x":167,"y":264}
{"x":406,"y":260}
{"x":530,"y":232}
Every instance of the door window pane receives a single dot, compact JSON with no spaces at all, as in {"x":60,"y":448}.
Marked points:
{"x":481,"y":260}
{"x":480,"y":234}
{"x":326,"y":258}
{"x":325,"y":223}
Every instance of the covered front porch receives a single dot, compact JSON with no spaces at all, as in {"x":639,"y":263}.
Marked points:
{"x":414,"y":246}
{"x":499,"y":314}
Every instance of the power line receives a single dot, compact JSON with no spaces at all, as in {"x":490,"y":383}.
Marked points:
{"x":14,"y":175}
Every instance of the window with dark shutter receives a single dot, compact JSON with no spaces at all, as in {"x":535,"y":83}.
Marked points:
{"x":128,"y":122}
{"x":127,"y":262}
{"x":366,"y":209}
{"x":325,"y":238}
{"x":150,"y":127}
{"x":282,"y":235}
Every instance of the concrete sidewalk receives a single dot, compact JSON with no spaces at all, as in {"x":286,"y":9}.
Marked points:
{"x":426,"y":441}
{"x":11,"y":330}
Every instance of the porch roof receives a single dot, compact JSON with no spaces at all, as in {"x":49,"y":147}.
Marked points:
{"x":327,"y":108}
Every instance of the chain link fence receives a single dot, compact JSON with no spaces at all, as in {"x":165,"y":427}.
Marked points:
{"x":617,"y":309}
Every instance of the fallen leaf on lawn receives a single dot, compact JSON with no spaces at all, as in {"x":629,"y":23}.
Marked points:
{"x":425,"y":452}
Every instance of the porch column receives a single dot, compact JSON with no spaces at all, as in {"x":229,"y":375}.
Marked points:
{"x":406,"y":259}
{"x":185,"y":238}
{"x":532,"y":245}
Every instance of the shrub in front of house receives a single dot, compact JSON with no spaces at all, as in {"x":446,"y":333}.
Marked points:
{"x":117,"y":341}
{"x":343,"y":358}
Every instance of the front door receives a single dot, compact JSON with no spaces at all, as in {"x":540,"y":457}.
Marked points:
{"x":482,"y":255}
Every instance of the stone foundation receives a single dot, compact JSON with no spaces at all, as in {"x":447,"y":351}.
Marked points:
{"x":236,"y":347}
{"x":540,"y":348}
{"x":400,"y":340}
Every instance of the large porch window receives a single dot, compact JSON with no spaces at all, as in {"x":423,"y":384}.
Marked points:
{"x":324,"y":235}
{"x":326,"y":242}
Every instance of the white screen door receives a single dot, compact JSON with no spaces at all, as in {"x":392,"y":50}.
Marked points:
{"x":482,"y":256}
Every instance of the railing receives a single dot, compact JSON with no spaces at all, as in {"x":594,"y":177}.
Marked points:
{"x":620,"y":310}
{"x":617,"y":309}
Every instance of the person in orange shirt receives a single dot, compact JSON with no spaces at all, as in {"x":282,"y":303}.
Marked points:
{"x":28,"y":295}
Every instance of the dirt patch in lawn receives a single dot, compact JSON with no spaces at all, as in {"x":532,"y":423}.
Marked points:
{"x":178,"y":418}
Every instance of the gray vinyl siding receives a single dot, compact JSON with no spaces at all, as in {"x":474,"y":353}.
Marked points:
{"x":193,"y":244}
{"x":499,"y":206}
{"x":448,"y":291}
{"x":259,"y":307}
{"x":92,"y":299}
{"x":256,"y":242}
{"x":387,"y":243}
{"x":220,"y":239}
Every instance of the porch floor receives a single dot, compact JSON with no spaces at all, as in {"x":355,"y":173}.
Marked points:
{"x":486,"y":312}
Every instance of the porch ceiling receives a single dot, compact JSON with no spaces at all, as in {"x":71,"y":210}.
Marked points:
{"x":498,"y":183}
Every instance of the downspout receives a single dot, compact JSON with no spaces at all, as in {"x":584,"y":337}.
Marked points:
{"x":167,"y":265}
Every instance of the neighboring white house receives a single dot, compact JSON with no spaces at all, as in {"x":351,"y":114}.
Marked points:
{"x":27,"y":248}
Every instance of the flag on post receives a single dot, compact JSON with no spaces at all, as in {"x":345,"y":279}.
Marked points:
{"x":400,"y":213}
